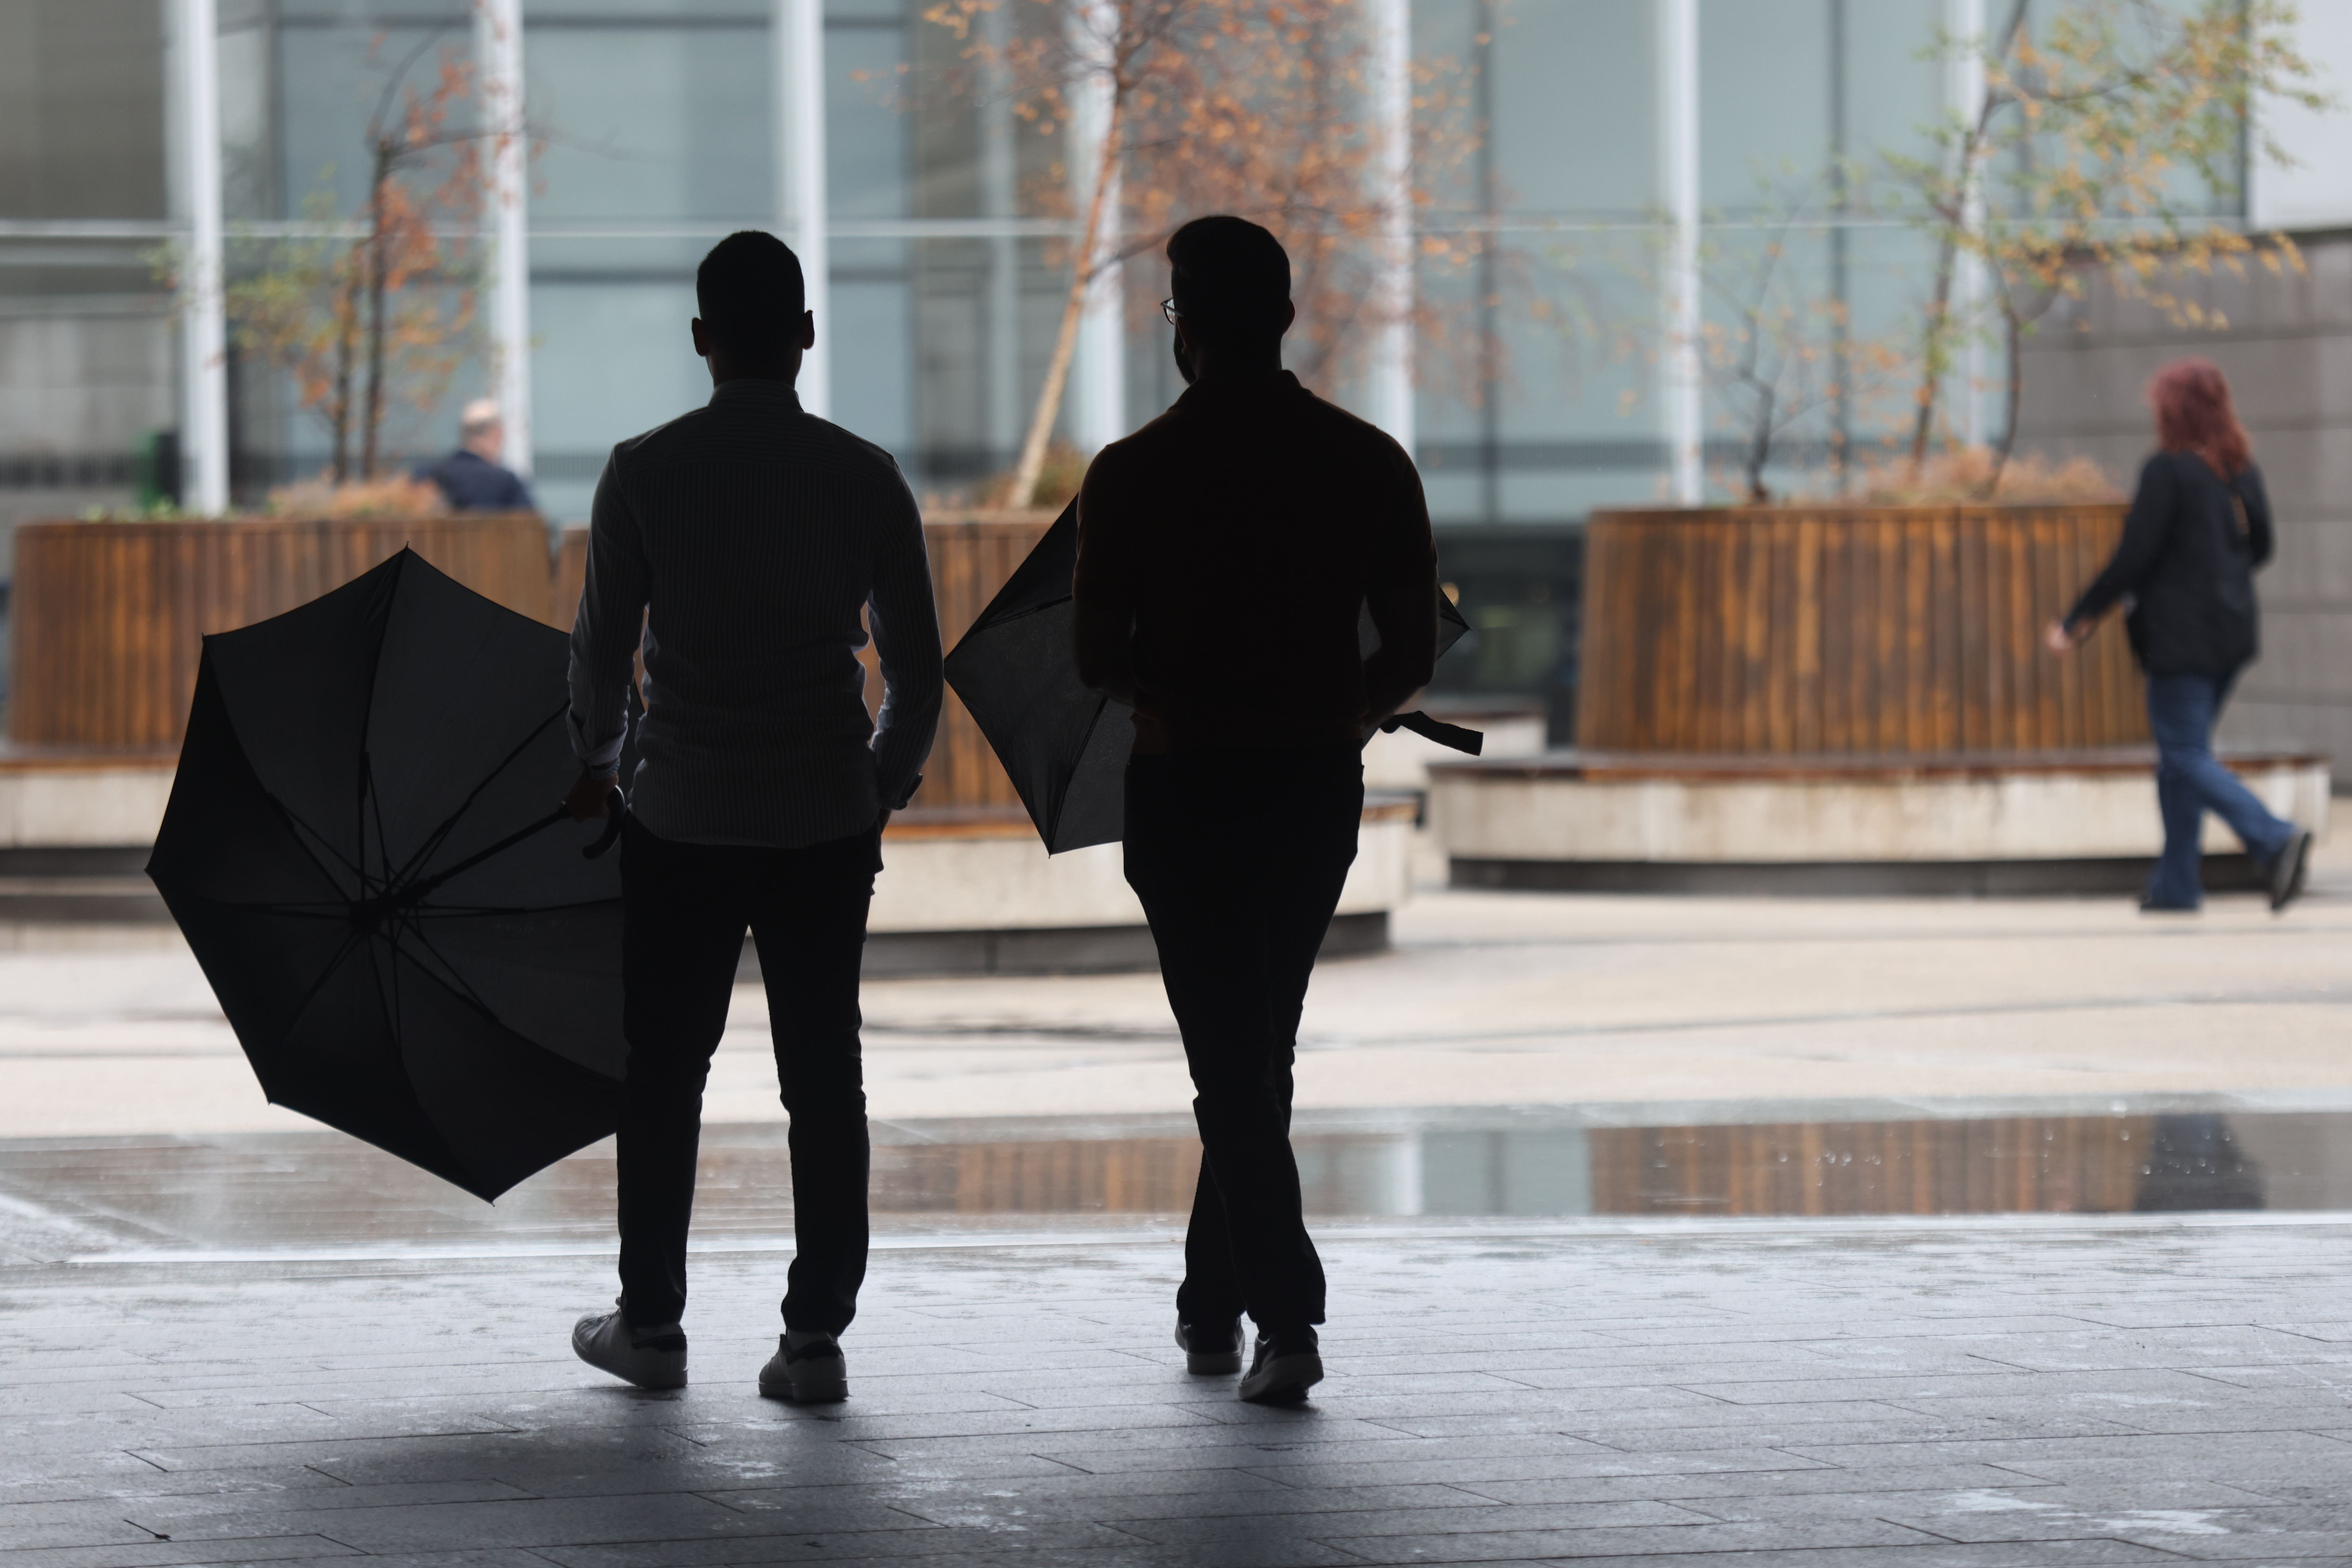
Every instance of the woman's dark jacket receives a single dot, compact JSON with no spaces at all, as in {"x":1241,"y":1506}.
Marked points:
{"x":2188,"y":560}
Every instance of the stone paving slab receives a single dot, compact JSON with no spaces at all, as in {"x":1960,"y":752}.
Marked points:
{"x":1949,"y":1395}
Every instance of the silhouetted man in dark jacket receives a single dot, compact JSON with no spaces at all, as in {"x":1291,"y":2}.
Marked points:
{"x":1226,"y":554}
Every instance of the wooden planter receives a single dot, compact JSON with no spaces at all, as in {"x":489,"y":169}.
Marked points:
{"x":973,"y":554}
{"x":109,"y":617}
{"x":1848,"y":630}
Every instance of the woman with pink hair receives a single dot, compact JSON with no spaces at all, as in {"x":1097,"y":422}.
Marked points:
{"x":2198,"y":527}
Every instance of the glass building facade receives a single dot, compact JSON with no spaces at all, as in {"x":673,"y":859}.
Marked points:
{"x":1542,"y":384}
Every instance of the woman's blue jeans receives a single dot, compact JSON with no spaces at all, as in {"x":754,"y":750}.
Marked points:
{"x":2189,"y":780}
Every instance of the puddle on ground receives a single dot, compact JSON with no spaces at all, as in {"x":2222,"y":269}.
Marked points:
{"x":321,"y":1190}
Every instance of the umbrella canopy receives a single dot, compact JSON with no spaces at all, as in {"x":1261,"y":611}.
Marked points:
{"x":1064,"y":745}
{"x":357,"y":850}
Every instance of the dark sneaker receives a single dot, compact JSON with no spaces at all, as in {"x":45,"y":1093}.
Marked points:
{"x":2288,"y":871}
{"x":648,"y":1357}
{"x":2150,"y":907}
{"x":1210,"y":1350}
{"x":1286,"y":1366}
{"x":807,"y":1368}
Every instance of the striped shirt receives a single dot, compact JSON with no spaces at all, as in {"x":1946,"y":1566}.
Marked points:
{"x":745,"y":537}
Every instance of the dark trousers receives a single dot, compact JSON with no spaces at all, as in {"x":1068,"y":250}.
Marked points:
{"x":1238,"y":860}
{"x":684,"y":911}
{"x":2191,"y":781}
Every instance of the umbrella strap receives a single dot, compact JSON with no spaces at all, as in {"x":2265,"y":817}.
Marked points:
{"x":1429,"y":729}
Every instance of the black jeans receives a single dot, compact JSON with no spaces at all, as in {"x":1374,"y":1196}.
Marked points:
{"x":684,"y":911}
{"x":1239,"y":860}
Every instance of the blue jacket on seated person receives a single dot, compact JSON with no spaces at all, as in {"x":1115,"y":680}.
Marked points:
{"x":471,"y":482}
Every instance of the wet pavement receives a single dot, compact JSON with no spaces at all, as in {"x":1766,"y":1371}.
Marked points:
{"x":1951,"y":1394}
{"x":308,"y":1193}
{"x":1659,"y":1231}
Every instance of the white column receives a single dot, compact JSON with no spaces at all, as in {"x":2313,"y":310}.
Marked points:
{"x":1964,"y":92}
{"x":497,"y":56}
{"x":799,"y":33}
{"x":2315,"y":191}
{"x":1677,"y":58}
{"x":204,"y":389}
{"x":1001,"y":425}
{"x":1389,"y":371}
{"x":1098,"y":398}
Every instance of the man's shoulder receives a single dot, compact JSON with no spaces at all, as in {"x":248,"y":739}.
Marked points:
{"x":710,"y":435}
{"x":664,"y":440}
{"x":856,"y":451}
{"x":1351,"y":432}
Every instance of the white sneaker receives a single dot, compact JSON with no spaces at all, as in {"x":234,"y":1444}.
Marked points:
{"x":808,"y":1368}
{"x":648,"y":1357}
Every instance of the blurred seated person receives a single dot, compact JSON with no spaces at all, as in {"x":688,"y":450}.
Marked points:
{"x":471,"y":479}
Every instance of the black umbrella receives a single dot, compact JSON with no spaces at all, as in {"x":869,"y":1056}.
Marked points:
{"x":357,"y":850}
{"x":1064,"y":745}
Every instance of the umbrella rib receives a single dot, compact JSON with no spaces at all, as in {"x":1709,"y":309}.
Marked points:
{"x":326,"y":973}
{"x":374,"y":797}
{"x":300,"y":829}
{"x":392,"y":1004}
{"x":434,"y":839}
{"x":367,"y":724}
{"x":456,"y":982}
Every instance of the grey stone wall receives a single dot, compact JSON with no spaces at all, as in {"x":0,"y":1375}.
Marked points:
{"x":2287,"y":351}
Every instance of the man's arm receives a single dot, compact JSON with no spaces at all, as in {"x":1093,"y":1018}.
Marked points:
{"x":604,"y":636}
{"x":1401,"y":592}
{"x":906,"y":626}
{"x":1102,"y":590}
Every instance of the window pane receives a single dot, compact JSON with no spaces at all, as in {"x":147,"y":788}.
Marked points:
{"x":652,"y":122}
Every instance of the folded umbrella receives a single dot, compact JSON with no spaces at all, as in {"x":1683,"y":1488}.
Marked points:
{"x":1064,"y":745}
{"x":357,"y":850}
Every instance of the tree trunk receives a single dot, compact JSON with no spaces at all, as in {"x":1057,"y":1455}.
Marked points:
{"x":1760,"y":449}
{"x":347,"y":316}
{"x":2013,"y":330}
{"x":373,"y":414}
{"x":1082,"y":276}
{"x":1932,"y":353}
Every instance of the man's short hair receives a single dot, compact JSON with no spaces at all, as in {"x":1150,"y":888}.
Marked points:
{"x":1229,"y":277}
{"x":749,"y":293}
{"x":480,"y":417}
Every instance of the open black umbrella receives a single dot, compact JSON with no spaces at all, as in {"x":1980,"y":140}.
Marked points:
{"x":1064,"y":745}
{"x":358,"y":850}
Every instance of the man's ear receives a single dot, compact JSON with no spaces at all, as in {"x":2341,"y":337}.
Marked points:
{"x":701,"y":339}
{"x":1289,"y":313}
{"x":808,"y":330}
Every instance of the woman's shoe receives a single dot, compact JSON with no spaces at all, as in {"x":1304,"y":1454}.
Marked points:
{"x":2288,"y":871}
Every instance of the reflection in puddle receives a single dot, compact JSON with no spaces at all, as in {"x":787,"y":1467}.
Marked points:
{"x":322,"y":1190}
{"x":2086,"y":1164}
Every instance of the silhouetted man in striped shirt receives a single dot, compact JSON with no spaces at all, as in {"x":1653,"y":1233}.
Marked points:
{"x":738,"y":545}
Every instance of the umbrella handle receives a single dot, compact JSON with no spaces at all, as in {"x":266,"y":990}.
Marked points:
{"x":616,"y":813}
{"x":1429,"y":729}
